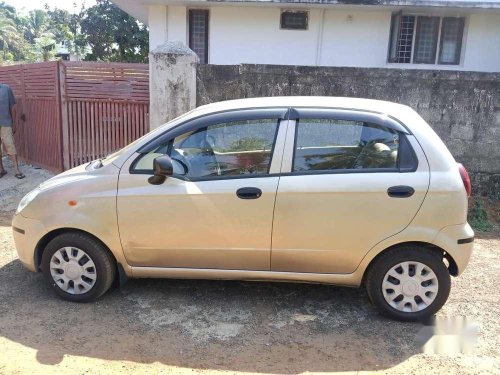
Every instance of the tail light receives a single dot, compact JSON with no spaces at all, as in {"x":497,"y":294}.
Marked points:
{"x":465,"y":179}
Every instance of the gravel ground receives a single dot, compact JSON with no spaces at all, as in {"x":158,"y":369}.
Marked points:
{"x":182,"y":326}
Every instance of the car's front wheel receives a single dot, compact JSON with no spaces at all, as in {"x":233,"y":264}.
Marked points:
{"x":78,"y":267}
{"x":408,"y":283}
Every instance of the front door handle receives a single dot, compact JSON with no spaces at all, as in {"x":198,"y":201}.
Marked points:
{"x":400,"y":191}
{"x":249,"y":193}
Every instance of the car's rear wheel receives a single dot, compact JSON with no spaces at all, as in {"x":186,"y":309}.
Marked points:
{"x":78,"y":267}
{"x":408,"y":283}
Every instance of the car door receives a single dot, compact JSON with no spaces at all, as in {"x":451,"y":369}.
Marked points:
{"x":350,"y":179}
{"x":216,"y":211}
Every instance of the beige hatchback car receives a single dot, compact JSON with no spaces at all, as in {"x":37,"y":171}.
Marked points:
{"x":330,"y":190}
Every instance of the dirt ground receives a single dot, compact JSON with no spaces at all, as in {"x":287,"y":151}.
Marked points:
{"x":182,"y":326}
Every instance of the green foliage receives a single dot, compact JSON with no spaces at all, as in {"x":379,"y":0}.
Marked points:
{"x":478,"y":218}
{"x":248,"y":144}
{"x":102,"y":32}
{"x":113,"y":35}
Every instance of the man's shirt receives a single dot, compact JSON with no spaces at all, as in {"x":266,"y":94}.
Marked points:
{"x":7,"y":100}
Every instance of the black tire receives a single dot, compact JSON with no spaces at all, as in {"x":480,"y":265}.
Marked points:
{"x":391,"y":258}
{"x":105,"y":267}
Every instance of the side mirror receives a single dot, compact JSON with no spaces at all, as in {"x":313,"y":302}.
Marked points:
{"x":162,"y":168}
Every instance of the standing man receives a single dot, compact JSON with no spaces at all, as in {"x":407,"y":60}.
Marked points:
{"x":7,"y":103}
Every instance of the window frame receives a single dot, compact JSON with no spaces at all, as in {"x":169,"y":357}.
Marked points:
{"x":438,"y":47}
{"x":459,"y":44}
{"x":360,"y":116}
{"x":306,"y":14}
{"x":207,"y":30}
{"x":437,"y":36}
{"x":193,"y":125}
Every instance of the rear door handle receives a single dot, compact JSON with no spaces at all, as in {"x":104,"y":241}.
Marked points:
{"x":249,"y":193}
{"x":400,"y":191}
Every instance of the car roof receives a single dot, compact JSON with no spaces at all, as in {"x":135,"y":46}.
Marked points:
{"x":379,"y":106}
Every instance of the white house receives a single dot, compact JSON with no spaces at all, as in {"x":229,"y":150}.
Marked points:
{"x":430,"y":34}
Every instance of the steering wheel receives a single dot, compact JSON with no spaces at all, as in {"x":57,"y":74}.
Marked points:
{"x":183,"y":165}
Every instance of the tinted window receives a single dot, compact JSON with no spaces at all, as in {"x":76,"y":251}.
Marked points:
{"x":225,"y":149}
{"x":325,"y":144}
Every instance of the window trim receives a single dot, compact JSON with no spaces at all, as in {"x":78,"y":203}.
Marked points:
{"x":306,"y":12}
{"x":196,"y":124}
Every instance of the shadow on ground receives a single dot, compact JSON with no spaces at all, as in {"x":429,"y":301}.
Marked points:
{"x":226,"y":325}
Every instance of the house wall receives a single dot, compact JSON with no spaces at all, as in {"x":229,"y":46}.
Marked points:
{"x":462,"y":107}
{"x":252,"y":35}
{"x":358,"y":41}
{"x":482,"y":46}
{"x":335,"y":37}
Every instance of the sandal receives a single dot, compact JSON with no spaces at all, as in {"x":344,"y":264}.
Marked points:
{"x":19,"y":176}
{"x":3,"y":173}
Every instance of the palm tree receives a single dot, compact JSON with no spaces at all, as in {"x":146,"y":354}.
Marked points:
{"x":37,"y":24}
{"x":8,"y":33}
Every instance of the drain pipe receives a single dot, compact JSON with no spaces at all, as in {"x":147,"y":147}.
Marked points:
{"x":319,"y":45}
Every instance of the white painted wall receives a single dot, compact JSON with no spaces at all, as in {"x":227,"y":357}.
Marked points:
{"x":177,"y":24}
{"x":482,"y":44}
{"x":356,"y":39}
{"x":252,"y":35}
{"x":157,"y":20}
{"x":245,"y":34}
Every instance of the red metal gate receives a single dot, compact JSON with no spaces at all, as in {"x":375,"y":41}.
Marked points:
{"x":39,"y":137}
{"x":77,"y":111}
{"x":105,"y":106}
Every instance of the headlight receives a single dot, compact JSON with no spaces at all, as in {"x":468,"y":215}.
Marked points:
{"x":27,"y":199}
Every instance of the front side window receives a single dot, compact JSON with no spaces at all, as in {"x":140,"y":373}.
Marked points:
{"x":426,"y":40}
{"x":329,"y":145}
{"x":237,"y":148}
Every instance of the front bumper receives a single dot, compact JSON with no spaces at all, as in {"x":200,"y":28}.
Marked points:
{"x":27,"y":234}
{"x":458,"y":242}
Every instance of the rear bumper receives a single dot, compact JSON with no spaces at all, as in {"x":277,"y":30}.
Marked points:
{"x":458,"y":242}
{"x":27,"y":233}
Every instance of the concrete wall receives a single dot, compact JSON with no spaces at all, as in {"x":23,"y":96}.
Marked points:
{"x":335,"y":37}
{"x":463,"y":107}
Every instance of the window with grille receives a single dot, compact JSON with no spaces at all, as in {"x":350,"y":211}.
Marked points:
{"x":425,"y":40}
{"x":198,"y":33}
{"x":294,"y":20}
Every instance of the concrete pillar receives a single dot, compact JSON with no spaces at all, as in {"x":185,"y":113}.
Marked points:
{"x":172,"y":82}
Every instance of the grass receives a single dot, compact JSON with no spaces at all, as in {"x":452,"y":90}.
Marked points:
{"x":478,"y":218}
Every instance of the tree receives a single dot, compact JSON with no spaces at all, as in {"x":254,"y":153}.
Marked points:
{"x":12,"y":42}
{"x":66,"y":29}
{"x":105,"y":31}
{"x":113,"y":35}
{"x":8,"y":34}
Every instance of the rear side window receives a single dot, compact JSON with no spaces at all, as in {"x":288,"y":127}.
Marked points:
{"x":329,"y":145}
